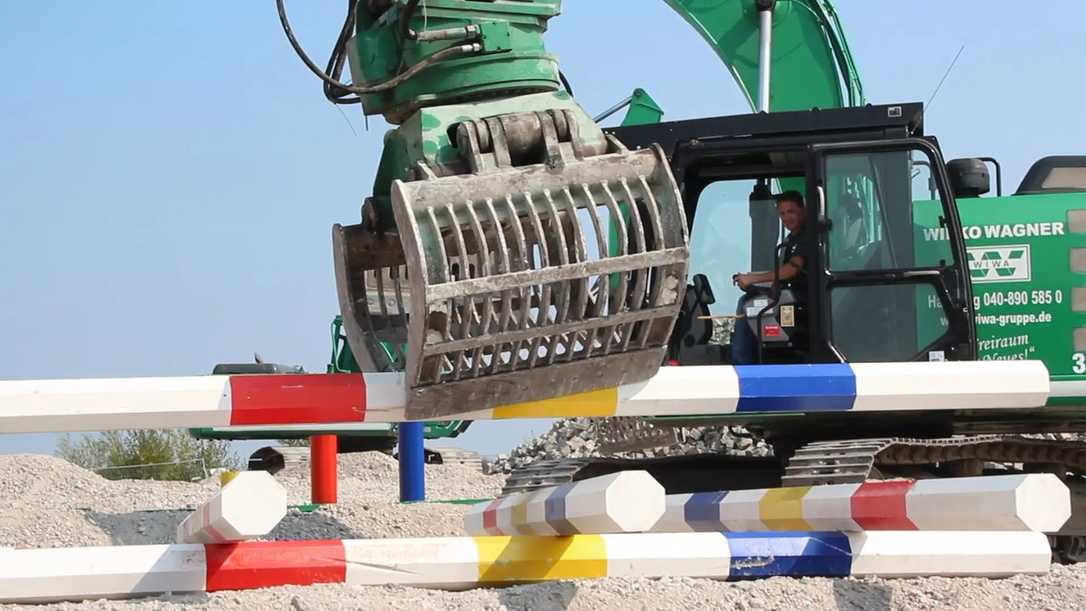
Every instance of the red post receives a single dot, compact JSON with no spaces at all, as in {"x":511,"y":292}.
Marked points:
{"x":322,"y":469}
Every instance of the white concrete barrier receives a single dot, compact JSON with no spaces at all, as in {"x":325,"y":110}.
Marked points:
{"x":1033,"y":502}
{"x":307,"y":399}
{"x":628,"y":501}
{"x":88,"y":573}
{"x":39,"y":575}
{"x":249,"y":506}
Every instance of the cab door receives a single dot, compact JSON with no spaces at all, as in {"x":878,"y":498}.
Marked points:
{"x":890,"y":281}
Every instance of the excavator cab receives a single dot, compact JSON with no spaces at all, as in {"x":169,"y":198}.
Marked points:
{"x":887,"y":273}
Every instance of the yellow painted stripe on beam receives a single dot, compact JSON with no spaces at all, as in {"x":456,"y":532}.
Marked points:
{"x":505,"y":559}
{"x":593,"y":403}
{"x":520,"y":514}
{"x":782,"y":508}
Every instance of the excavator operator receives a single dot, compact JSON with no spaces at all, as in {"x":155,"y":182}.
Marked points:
{"x":791,"y":274}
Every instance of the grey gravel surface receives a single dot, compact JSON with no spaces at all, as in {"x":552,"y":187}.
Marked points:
{"x":47,"y":502}
{"x":582,"y":438}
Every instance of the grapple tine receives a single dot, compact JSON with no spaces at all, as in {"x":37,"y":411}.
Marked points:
{"x":484,"y":267}
{"x":620,"y":223}
{"x":544,"y":290}
{"x":623,"y":279}
{"x":641,"y":278}
{"x":602,"y":294}
{"x":523,"y":263}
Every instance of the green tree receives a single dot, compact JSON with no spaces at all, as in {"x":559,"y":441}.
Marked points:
{"x":161,"y":455}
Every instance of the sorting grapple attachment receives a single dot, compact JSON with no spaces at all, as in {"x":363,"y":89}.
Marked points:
{"x":523,"y":282}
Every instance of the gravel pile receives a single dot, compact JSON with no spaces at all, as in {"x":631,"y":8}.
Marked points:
{"x":582,"y":438}
{"x":46,"y":502}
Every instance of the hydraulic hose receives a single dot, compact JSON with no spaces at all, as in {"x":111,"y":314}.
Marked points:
{"x":565,"y":82}
{"x":334,"y":94}
{"x":405,"y":20}
{"x":446,"y":53}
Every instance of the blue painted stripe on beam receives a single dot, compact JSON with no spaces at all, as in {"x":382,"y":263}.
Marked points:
{"x":702,"y":511}
{"x":554,"y":510}
{"x":796,"y":388}
{"x":789,"y":554}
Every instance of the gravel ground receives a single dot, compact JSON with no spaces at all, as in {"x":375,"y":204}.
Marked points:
{"x":46,"y":502}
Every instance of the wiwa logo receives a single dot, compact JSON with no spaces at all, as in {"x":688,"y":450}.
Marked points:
{"x":999,"y":263}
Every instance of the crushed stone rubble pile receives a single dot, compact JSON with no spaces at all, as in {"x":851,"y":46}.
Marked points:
{"x":582,"y":438}
{"x":47,"y":502}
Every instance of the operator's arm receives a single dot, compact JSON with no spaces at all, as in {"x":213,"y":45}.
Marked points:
{"x":789,"y":270}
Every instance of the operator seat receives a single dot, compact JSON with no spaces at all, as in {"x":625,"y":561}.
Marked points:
{"x":786,"y":313}
{"x":693,"y":329}
{"x":850,"y":233}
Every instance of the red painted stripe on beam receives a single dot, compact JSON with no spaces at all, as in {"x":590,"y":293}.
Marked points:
{"x":490,"y":516}
{"x":297,"y":399}
{"x":264,"y":564}
{"x":881,"y":505}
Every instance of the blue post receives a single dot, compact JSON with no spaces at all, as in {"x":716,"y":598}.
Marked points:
{"x":412,"y":460}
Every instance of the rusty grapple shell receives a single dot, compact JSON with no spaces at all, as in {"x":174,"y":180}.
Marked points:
{"x":519,"y":284}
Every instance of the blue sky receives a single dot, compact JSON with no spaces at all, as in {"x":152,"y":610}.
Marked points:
{"x":170,"y":172}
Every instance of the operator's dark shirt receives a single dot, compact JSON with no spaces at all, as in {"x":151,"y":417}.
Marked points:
{"x":797,"y":245}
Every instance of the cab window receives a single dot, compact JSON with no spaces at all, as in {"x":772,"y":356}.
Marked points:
{"x":885,"y":213}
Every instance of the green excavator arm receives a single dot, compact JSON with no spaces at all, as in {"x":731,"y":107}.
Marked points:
{"x":811,"y":63}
